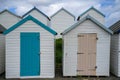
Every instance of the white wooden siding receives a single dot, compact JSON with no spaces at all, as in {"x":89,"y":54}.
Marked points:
{"x":119,"y":56}
{"x":71,"y":44}
{"x":114,"y":54}
{"x":2,"y":53}
{"x":13,"y":51}
{"x":95,"y":15}
{"x":39,"y":17}
{"x":61,"y":21}
{"x":7,"y":19}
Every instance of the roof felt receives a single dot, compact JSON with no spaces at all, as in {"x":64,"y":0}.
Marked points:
{"x":10,"y":13}
{"x":32,"y":19}
{"x":88,"y":17}
{"x":89,"y":10}
{"x":38,"y":11}
{"x":115,"y":27}
{"x":63,"y":10}
{"x":2,"y":28}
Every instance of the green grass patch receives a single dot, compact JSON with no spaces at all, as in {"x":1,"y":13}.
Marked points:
{"x":58,"y":51}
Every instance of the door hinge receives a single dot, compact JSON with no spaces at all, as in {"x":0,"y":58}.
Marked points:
{"x":80,"y":53}
{"x":80,"y":35}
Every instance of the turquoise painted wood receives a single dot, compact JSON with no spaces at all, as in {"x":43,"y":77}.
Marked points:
{"x":29,"y":54}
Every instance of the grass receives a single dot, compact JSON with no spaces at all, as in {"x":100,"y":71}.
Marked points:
{"x":58,"y":52}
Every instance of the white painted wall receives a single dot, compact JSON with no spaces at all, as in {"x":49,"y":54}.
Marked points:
{"x":61,"y":21}
{"x":114,"y":56}
{"x":2,"y":53}
{"x":71,"y":44}
{"x":7,"y":19}
{"x":119,"y":56}
{"x":13,"y":51}
{"x":95,"y":15}
{"x":39,"y":17}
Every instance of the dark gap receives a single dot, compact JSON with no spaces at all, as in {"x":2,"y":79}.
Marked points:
{"x":58,"y":57}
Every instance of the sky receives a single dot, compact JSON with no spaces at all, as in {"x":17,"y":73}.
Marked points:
{"x":111,"y":8}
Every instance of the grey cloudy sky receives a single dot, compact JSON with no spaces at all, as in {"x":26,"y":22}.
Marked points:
{"x":111,"y":8}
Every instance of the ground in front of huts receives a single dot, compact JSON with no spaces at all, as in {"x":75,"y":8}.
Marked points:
{"x":69,"y":78}
{"x":60,"y":77}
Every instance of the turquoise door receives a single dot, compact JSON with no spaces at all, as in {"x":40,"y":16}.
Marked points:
{"x":29,"y":54}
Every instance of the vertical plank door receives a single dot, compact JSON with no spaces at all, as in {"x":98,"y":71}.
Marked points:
{"x":86,"y":54}
{"x":29,"y":55}
{"x":81,"y":55}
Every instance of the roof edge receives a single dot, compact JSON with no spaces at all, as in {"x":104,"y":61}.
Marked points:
{"x":29,"y":17}
{"x":10,"y":13}
{"x":2,"y":28}
{"x":113,"y":24}
{"x":115,"y":27}
{"x":89,"y":10}
{"x":88,"y":17}
{"x":64,"y":10}
{"x":34,"y":8}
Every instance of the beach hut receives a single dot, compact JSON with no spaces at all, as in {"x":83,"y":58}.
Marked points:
{"x":39,"y":15}
{"x":86,"y":50}
{"x":115,"y":49}
{"x":2,"y":49}
{"x":61,"y":20}
{"x":8,"y":18}
{"x":93,"y":12}
{"x":30,"y":50}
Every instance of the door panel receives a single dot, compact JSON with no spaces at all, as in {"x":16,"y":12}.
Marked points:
{"x":92,"y":54}
{"x":81,"y":53}
{"x":86,"y":54}
{"x":81,"y":61}
{"x":30,"y":57}
{"x":91,"y":61}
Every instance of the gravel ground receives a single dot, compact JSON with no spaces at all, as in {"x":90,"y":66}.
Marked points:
{"x":59,"y":77}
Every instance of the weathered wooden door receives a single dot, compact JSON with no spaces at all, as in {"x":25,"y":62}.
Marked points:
{"x":86,"y":57}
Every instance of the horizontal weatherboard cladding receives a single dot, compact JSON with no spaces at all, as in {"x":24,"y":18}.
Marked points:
{"x":13,"y":51}
{"x":38,"y":11}
{"x":10,"y":13}
{"x":34,"y":20}
{"x":65,"y":11}
{"x":71,"y":48}
{"x":93,"y":9}
{"x":89,"y":18}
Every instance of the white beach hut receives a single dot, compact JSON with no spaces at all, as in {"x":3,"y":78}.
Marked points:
{"x":39,"y":15}
{"x":86,"y":48}
{"x":115,"y":49}
{"x":93,"y":12}
{"x":30,"y":50}
{"x":7,"y":18}
{"x":61,"y":20}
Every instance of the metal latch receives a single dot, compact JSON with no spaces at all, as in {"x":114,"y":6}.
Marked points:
{"x":39,"y":53}
{"x":80,"y":35}
{"x":95,"y":67}
{"x":96,"y":38}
